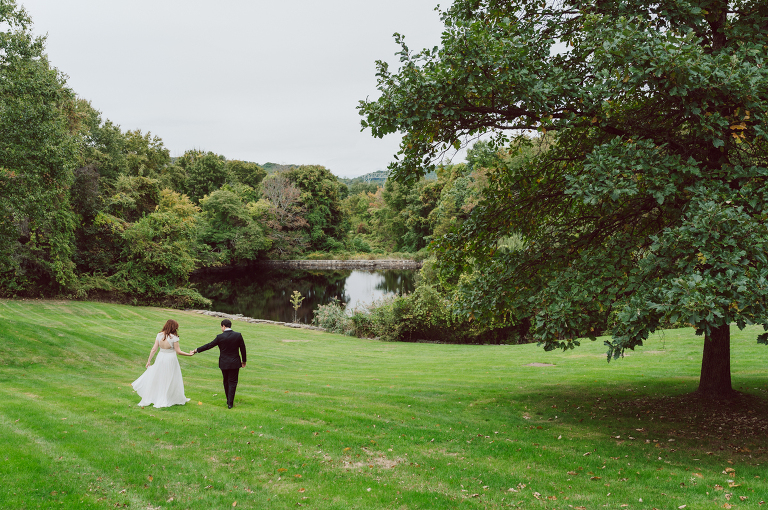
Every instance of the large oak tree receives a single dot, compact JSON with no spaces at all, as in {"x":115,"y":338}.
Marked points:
{"x":648,"y":205}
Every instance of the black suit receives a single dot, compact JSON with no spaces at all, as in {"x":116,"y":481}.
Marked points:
{"x":231,"y":346}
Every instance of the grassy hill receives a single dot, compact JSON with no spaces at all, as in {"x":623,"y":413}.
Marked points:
{"x":326,"y":421}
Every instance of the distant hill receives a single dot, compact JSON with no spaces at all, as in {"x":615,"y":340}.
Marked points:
{"x":377,"y":177}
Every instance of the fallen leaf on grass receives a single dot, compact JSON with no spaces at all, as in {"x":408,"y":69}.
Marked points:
{"x":302,"y":489}
{"x":699,"y":475}
{"x":572,"y":473}
{"x":234,"y":503}
{"x":199,"y":403}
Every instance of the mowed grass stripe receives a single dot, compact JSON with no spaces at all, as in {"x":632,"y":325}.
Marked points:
{"x":62,"y":472}
{"x":124,"y":447}
{"x":320,"y":419}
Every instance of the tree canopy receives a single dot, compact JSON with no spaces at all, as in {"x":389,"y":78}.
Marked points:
{"x":320,"y":194}
{"x":37,"y":153}
{"x":643,"y":197}
{"x":89,"y":210}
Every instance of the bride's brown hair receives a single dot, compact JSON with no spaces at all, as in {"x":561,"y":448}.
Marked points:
{"x":171,"y":328}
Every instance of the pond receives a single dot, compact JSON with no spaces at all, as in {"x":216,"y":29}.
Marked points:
{"x":264,"y":293}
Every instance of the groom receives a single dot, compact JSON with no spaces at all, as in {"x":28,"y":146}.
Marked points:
{"x":229,"y":342}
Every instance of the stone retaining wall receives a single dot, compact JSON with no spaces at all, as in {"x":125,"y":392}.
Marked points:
{"x":240,"y":317}
{"x":343,"y":264}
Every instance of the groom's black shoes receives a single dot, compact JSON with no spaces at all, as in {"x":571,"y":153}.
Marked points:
{"x":229,"y":406}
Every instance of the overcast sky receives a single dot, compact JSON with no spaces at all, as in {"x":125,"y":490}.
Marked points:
{"x":255,"y":80}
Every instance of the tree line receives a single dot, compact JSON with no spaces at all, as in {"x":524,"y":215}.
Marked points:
{"x":92,"y":210}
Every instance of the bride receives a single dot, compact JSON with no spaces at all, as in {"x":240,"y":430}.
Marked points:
{"x":161,"y":383}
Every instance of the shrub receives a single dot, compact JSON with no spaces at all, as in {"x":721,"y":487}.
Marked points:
{"x":425,"y":316}
{"x":362,"y":324}
{"x":413,"y":317}
{"x":360,"y":245}
{"x":333,"y":318}
{"x":333,"y":245}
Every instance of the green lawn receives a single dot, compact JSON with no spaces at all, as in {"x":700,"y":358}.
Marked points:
{"x":326,"y":421}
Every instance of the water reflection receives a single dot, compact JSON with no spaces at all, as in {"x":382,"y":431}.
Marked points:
{"x":364,"y":287}
{"x":264,"y":293}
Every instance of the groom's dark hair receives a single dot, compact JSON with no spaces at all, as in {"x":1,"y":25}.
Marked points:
{"x":226,"y":323}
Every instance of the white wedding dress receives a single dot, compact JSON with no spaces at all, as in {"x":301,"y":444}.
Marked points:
{"x":161,"y":383}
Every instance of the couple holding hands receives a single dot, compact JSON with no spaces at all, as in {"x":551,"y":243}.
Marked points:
{"x":161,"y":384}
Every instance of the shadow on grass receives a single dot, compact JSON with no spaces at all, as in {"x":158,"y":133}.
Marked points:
{"x":690,"y":422}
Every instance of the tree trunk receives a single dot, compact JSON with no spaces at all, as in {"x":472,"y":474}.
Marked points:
{"x":715,"y":380}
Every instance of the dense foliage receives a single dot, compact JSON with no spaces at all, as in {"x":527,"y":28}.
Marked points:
{"x":38,"y":126}
{"x":93,"y":211}
{"x":422,"y":316}
{"x":423,"y":212}
{"x":649,"y":202}
{"x":90,"y":210}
